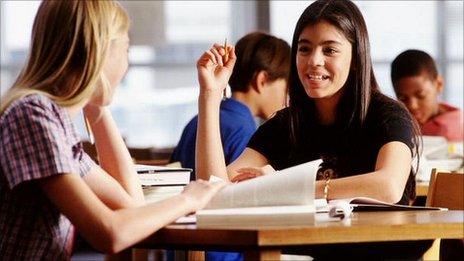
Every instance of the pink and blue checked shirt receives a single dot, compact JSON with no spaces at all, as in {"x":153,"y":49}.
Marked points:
{"x":38,"y":140}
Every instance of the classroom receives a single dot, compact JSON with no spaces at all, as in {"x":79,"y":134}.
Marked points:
{"x":231,"y":130}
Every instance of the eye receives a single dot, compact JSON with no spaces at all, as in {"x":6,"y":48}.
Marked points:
{"x":330,"y":50}
{"x":303,"y":49}
{"x":421,"y":95}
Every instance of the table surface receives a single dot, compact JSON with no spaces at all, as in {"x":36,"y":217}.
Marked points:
{"x":361,"y":227}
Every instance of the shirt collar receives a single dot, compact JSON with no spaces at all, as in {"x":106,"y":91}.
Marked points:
{"x":231,"y":104}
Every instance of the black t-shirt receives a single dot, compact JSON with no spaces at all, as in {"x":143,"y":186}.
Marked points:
{"x":346,"y":151}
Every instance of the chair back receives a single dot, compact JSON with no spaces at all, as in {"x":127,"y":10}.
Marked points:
{"x":446,"y":190}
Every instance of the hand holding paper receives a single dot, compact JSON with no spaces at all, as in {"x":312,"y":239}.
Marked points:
{"x":249,"y":173}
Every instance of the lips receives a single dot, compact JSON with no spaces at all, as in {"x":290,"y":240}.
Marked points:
{"x":317,"y":77}
{"x":316,"y":80}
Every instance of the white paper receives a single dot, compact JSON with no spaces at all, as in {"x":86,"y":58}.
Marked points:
{"x":288,"y":187}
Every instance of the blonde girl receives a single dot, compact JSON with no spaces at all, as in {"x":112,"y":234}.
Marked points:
{"x":48,"y":184}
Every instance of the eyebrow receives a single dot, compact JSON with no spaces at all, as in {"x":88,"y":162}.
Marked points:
{"x":306,"y":41}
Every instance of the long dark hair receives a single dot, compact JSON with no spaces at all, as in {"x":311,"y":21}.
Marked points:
{"x":361,"y":84}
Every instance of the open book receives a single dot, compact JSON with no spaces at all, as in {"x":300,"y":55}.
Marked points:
{"x":366,"y":204}
{"x":285,"y":197}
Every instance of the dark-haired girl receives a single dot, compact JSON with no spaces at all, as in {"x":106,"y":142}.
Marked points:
{"x":336,"y":112}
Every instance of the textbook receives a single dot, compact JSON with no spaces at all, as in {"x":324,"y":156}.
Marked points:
{"x":162,"y":176}
{"x":284,"y":197}
{"x":157,"y":193}
{"x":367,"y":204}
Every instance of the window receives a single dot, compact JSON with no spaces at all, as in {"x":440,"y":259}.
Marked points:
{"x":394,"y":26}
{"x":15,"y":39}
{"x":159,"y":94}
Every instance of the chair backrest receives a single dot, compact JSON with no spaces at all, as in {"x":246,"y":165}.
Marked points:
{"x":446,"y":190}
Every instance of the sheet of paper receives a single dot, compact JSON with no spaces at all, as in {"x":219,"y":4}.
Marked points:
{"x":292,"y":186}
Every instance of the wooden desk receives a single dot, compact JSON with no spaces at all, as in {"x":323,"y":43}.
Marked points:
{"x":265,"y":242}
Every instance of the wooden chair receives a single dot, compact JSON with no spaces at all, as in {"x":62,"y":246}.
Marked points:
{"x":445,"y":190}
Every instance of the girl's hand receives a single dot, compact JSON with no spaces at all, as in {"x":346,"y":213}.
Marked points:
{"x":199,"y":193}
{"x":93,"y":112}
{"x":252,"y":172}
{"x":214,"y":70}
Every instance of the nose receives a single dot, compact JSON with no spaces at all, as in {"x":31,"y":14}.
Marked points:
{"x":316,"y":58}
{"x":412,"y":104}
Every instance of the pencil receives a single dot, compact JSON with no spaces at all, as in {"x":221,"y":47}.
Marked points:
{"x":89,"y":131}
{"x":226,"y":57}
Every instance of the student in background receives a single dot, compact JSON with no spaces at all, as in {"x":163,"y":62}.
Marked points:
{"x":336,"y":112}
{"x":48,"y":184}
{"x":417,"y":84}
{"x":259,"y":84}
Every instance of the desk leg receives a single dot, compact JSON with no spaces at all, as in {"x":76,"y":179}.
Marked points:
{"x":263,"y":254}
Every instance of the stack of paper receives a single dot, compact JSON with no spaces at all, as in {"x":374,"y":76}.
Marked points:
{"x":159,"y":182}
{"x":438,"y":153}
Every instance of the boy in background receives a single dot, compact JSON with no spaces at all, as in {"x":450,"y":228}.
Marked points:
{"x":259,"y":86}
{"x":417,"y":84}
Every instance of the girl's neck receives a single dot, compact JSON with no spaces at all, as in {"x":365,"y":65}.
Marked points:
{"x":326,"y":108}
{"x":74,"y":110}
{"x":325,"y":111}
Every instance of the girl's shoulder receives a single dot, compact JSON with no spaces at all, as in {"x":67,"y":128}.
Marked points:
{"x":280,"y":117}
{"x":36,"y":104}
{"x":384,"y":106}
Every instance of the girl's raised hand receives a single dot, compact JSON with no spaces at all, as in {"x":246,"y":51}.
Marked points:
{"x":215,"y":68}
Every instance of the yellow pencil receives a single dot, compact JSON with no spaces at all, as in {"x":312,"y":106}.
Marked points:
{"x":226,"y":57}
{"x":89,"y":130}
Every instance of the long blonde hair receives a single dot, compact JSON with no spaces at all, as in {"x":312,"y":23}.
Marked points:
{"x":69,"y":45}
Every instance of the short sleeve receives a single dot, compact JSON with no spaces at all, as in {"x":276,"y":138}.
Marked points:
{"x":396,"y":124}
{"x":86,"y":163}
{"x":272,"y":139}
{"x":37,"y":142}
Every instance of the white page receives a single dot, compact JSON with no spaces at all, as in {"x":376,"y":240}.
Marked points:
{"x":140,"y":167}
{"x":291,"y":186}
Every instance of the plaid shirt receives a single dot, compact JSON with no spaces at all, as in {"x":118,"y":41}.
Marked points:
{"x":38,"y":140}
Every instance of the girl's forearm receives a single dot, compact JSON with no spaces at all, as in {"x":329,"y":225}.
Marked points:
{"x":112,"y":152}
{"x":372,"y":185}
{"x":209,"y":154}
{"x":130,"y":225}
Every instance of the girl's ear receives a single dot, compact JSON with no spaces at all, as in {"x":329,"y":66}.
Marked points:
{"x":439,"y":83}
{"x":260,"y":80}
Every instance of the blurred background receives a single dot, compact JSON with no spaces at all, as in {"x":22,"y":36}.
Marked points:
{"x":159,"y":93}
